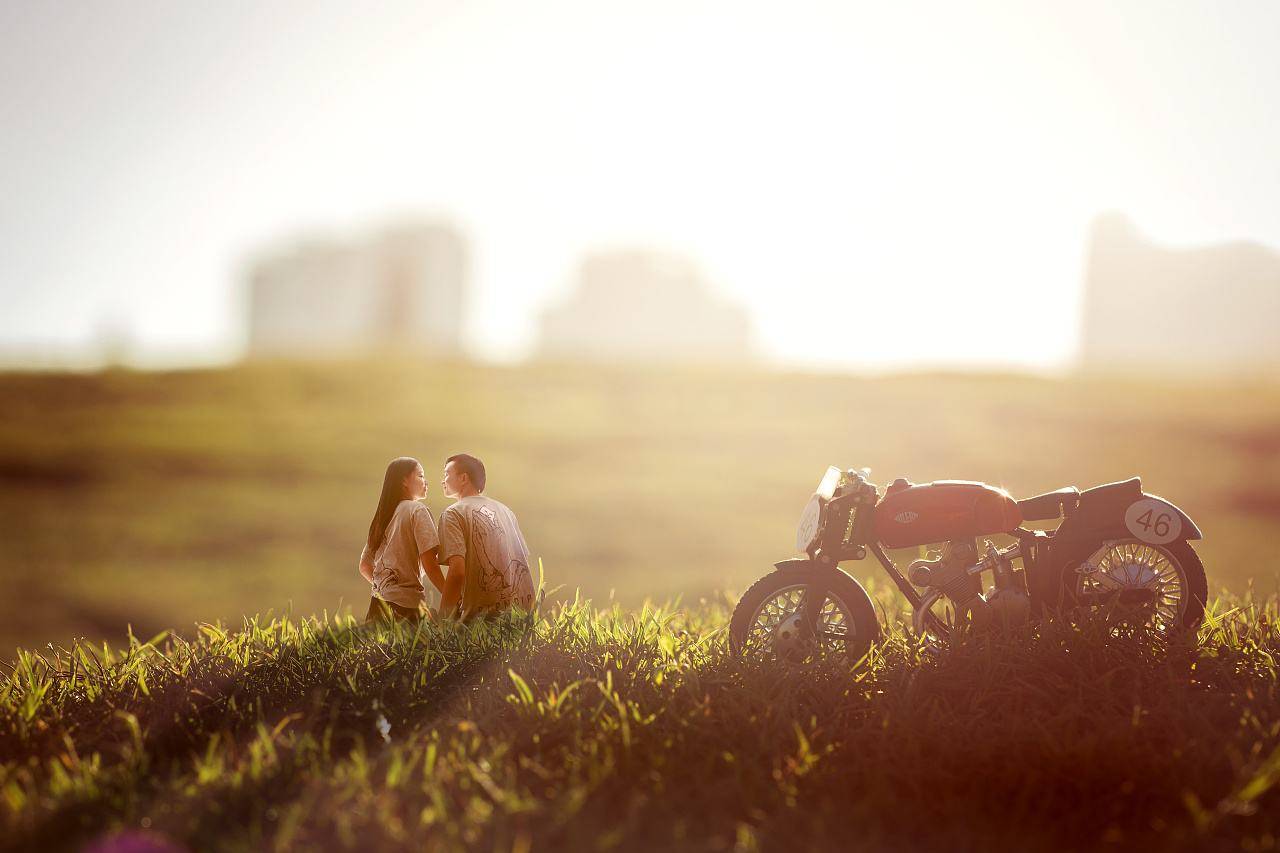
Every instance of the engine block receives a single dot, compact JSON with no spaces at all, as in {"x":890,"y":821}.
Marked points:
{"x":949,"y":572}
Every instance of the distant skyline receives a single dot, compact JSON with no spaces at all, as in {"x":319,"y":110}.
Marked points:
{"x":1164,"y":311}
{"x":879,"y":184}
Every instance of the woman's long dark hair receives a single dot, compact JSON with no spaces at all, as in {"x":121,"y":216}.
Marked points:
{"x":392,"y":494}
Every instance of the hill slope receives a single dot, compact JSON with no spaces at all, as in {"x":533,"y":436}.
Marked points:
{"x":162,"y":499}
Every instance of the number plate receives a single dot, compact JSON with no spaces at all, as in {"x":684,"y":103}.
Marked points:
{"x":1153,"y":521}
{"x":808,"y":529}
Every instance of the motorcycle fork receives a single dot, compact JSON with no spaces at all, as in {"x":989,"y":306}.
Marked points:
{"x":811,"y":608}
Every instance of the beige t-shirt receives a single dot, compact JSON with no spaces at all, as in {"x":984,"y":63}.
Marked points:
{"x":486,"y":533}
{"x":411,"y":531}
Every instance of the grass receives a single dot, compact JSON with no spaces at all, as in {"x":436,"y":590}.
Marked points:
{"x":636,"y":730}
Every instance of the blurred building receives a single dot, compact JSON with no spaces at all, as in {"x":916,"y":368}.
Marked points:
{"x":1211,"y":309}
{"x":404,"y":289}
{"x":644,"y":306}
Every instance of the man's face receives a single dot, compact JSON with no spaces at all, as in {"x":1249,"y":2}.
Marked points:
{"x":453,"y":480}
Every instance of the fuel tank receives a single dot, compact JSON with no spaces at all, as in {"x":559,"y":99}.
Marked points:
{"x":946,"y":509}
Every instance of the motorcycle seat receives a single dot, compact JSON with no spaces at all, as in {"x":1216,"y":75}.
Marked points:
{"x":1050,"y":505}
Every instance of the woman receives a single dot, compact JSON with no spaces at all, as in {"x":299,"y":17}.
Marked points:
{"x":402,"y":537}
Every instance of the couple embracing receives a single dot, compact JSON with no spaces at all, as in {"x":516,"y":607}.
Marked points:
{"x":475,"y":558}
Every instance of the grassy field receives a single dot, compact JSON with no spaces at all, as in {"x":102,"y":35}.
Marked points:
{"x":586,"y":730}
{"x":173,"y":501}
{"x":163,"y":499}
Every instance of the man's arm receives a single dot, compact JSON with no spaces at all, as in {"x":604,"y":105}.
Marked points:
{"x":366,"y":564}
{"x":431,"y":567}
{"x":451,"y":592}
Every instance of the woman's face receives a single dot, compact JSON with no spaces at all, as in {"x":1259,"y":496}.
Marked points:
{"x":415,"y":485}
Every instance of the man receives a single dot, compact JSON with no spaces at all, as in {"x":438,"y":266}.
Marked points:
{"x":482,"y":546}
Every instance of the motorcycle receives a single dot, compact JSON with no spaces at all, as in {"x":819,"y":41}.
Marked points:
{"x":1117,"y":554}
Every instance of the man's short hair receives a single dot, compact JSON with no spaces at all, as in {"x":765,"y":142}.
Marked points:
{"x":471,"y":466}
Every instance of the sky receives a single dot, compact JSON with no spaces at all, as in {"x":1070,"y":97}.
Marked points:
{"x":881,"y":184}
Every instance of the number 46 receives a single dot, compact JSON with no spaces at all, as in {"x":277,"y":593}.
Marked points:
{"x":1160,"y":524}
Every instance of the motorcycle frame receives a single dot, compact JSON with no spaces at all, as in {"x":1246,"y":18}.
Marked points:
{"x":848,"y":532}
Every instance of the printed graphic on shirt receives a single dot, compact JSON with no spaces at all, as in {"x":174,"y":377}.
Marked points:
{"x":500,"y":579}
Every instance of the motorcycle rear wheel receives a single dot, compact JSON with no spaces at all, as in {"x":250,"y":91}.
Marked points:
{"x":767,"y":622}
{"x":1171,"y":576}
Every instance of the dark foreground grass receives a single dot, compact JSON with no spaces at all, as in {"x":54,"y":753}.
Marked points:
{"x":598,"y":730}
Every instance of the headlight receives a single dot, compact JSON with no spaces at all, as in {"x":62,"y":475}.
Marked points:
{"x":810,"y":519}
{"x":829,"y":483}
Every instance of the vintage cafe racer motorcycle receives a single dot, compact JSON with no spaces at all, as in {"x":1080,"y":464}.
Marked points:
{"x":1118,"y":554}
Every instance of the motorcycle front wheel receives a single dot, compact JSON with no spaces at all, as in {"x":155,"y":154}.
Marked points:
{"x":782,"y":618}
{"x":1161,"y":588}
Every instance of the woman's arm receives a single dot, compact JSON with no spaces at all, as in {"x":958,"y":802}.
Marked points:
{"x":431,"y":567}
{"x":366,"y":564}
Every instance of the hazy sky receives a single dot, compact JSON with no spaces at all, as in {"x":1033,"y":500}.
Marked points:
{"x":881,"y":183}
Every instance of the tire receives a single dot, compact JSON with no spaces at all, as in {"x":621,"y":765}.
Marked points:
{"x":1187,"y":566}
{"x":844,"y":595}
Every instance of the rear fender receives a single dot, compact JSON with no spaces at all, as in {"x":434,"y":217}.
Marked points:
{"x":1145,"y":517}
{"x":1158,"y":505}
